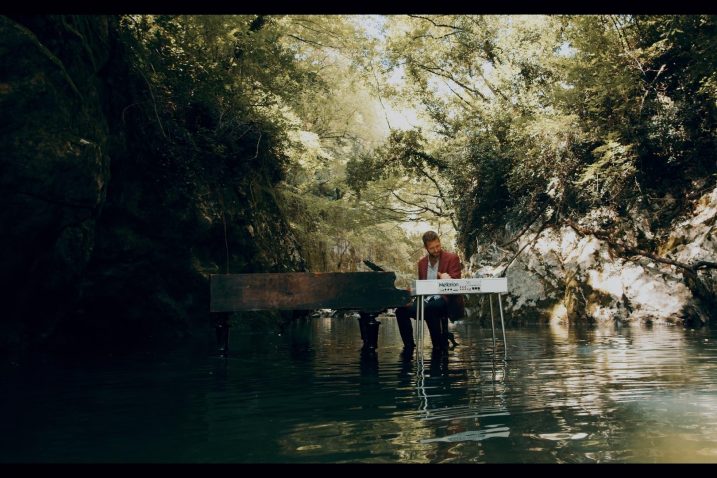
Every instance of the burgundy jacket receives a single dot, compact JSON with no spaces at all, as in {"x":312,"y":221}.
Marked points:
{"x":450,"y":263}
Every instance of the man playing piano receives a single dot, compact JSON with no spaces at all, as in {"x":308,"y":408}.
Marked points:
{"x":437,"y":264}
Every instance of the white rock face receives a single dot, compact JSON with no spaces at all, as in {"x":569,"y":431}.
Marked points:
{"x":562,"y":276}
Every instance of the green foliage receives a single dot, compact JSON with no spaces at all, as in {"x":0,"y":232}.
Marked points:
{"x":479,"y":186}
{"x":583,"y":110}
{"x":515,"y":112}
{"x":211,"y":107}
{"x":338,"y":234}
{"x":610,"y":174}
{"x":678,"y":139}
{"x":403,"y":154}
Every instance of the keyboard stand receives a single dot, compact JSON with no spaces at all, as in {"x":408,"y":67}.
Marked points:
{"x":490,"y":286}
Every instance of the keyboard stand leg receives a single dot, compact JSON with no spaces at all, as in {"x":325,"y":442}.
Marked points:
{"x":492,"y":321}
{"x":502,"y":324}
{"x":420,"y":315}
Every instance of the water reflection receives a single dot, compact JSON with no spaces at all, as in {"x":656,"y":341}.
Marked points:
{"x":564,"y":394}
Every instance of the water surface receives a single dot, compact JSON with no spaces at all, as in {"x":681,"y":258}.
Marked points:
{"x":564,"y":394}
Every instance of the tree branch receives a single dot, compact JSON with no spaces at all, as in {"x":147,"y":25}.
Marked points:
{"x":310,"y":42}
{"x":440,"y":25}
{"x":470,"y":106}
{"x":378,"y":95}
{"x":428,"y":35}
{"x":537,"y":234}
{"x":517,"y":236}
{"x":439,"y":72}
{"x":440,"y":193}
{"x":632,"y":250}
{"x":154,"y":100}
{"x":424,"y":208}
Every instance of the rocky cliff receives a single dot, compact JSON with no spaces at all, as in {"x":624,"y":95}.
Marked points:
{"x":567,"y":274}
{"x":109,"y":232}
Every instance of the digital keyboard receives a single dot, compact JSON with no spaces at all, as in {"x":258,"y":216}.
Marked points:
{"x":470,"y":285}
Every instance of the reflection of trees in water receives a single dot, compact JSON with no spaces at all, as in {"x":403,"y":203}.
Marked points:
{"x":463,"y":430}
{"x":299,"y":338}
{"x":575,"y":379}
{"x":375,"y":396}
{"x":572,"y":381}
{"x":566,"y":394}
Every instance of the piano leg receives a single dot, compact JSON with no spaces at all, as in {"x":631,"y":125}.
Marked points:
{"x":405,"y":328}
{"x":369,"y":331}
{"x":221,"y":327}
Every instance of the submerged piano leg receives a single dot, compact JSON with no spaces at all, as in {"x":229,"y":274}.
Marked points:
{"x":369,"y":331}
{"x":221,"y":327}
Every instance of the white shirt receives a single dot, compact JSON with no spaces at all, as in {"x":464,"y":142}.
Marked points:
{"x":432,"y":273}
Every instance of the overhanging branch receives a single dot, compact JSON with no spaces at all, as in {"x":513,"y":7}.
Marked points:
{"x":632,"y":250}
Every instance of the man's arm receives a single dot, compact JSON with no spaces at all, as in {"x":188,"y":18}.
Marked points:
{"x":454,"y":267}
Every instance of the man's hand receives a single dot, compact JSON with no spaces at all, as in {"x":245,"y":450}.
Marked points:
{"x":444,"y":275}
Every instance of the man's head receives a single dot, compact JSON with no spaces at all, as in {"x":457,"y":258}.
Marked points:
{"x":432,"y":243}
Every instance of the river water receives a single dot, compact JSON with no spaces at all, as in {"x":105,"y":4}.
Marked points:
{"x":564,"y":394}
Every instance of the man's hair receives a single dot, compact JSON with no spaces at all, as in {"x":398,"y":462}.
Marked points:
{"x":429,"y":236}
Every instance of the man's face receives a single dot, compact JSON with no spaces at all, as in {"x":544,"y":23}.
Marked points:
{"x":434,"y":248}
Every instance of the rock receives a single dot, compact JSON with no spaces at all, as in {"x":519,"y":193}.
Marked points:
{"x":54,"y":174}
{"x":565,"y":277}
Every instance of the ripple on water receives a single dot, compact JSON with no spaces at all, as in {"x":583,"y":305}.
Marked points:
{"x":563,"y":395}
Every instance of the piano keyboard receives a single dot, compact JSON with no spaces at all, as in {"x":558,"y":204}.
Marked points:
{"x":471,"y":285}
